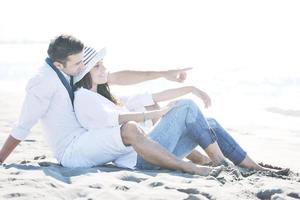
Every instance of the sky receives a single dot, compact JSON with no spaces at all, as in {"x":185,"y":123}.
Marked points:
{"x":237,"y":48}
{"x":202,"y":34}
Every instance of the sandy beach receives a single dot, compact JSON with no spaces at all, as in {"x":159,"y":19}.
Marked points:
{"x":244,"y":55}
{"x":31,"y":172}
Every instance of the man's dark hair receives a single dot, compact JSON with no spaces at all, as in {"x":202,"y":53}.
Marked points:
{"x":62,"y":46}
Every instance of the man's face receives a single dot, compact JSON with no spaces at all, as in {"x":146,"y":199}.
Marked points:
{"x":73,"y":65}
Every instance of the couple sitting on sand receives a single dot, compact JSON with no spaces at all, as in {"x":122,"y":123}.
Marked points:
{"x":86,"y":125}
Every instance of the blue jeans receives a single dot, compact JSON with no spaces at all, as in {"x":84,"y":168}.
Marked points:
{"x":185,"y":127}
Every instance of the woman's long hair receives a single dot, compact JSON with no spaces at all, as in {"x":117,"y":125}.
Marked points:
{"x":102,"y":89}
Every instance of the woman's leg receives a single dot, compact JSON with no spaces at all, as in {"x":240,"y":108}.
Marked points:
{"x":195,"y":156}
{"x":199,"y":158}
{"x":185,"y":148}
{"x":230,"y":148}
{"x":184,"y":119}
{"x":151,"y":152}
{"x":199,"y":131}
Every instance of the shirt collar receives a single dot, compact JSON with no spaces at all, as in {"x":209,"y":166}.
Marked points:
{"x":65,"y":75}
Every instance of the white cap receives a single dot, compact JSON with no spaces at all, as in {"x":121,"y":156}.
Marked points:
{"x":90,"y":58}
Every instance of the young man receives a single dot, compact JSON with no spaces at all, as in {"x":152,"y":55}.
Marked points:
{"x":49,"y":98}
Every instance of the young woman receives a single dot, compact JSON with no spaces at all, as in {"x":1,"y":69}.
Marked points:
{"x":181,"y":128}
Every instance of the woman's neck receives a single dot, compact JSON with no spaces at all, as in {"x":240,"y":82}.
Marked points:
{"x":94,"y":88}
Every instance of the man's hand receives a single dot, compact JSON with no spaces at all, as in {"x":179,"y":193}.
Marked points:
{"x":178,"y":75}
{"x":2,"y":164}
{"x":9,"y":145}
{"x":202,"y":95}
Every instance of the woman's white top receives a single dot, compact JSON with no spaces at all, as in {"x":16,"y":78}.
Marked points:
{"x":96,"y":113}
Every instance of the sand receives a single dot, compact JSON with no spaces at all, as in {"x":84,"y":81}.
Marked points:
{"x":31,"y":172}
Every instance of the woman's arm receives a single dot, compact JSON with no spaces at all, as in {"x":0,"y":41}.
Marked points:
{"x":177,"y":92}
{"x":143,"y":116}
{"x":171,"y":93}
{"x":155,"y":106}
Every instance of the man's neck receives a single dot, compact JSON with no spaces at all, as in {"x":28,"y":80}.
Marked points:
{"x":94,"y":88}
{"x":65,"y":75}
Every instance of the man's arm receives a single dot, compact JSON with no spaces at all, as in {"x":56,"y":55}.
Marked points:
{"x":9,"y":145}
{"x":128,"y":77}
{"x":172,"y":93}
{"x":37,"y":100}
{"x":177,"y":92}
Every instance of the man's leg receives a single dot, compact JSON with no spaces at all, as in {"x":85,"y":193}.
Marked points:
{"x":199,"y":158}
{"x":199,"y":131}
{"x":154,"y":153}
{"x":195,"y":156}
{"x":183,"y":120}
{"x":230,"y":148}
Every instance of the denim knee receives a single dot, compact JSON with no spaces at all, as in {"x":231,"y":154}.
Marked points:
{"x":186,"y":102}
{"x":193,"y":109}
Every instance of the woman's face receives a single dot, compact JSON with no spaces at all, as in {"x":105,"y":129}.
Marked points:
{"x":99,"y":73}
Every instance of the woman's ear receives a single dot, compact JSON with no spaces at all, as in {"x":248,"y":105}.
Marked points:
{"x":58,"y":65}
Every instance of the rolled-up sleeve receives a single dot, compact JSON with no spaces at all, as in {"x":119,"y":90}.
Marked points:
{"x":138,"y":101}
{"x":39,"y":92}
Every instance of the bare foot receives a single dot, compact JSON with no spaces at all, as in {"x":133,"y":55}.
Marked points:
{"x":204,"y":170}
{"x":199,"y":159}
{"x":216,"y":171}
{"x":225,"y":163}
{"x":204,"y":160}
{"x":283,"y":172}
{"x":275,"y":169}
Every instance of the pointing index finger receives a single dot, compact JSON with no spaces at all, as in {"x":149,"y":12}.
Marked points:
{"x":185,"y":69}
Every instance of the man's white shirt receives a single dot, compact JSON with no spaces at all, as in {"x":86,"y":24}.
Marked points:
{"x":48,"y":100}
